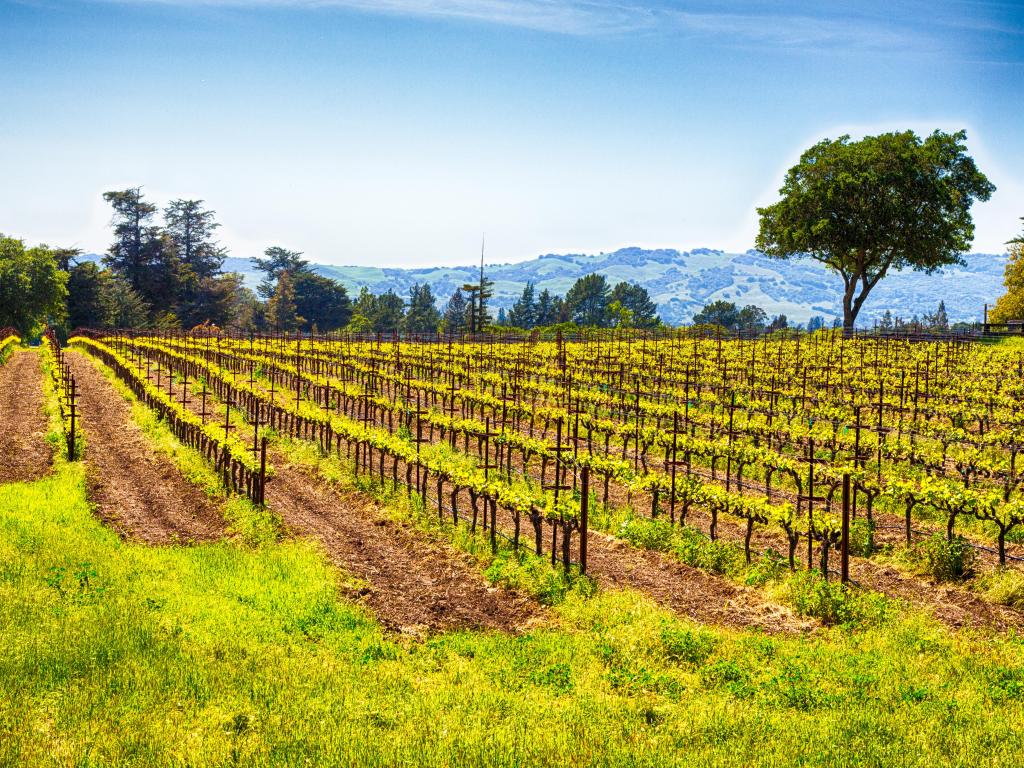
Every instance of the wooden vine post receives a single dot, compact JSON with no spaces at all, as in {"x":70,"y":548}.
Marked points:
{"x":845,"y":551}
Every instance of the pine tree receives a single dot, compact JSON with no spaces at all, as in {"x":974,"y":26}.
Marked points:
{"x":455,"y":314}
{"x":643,"y":313}
{"x":190,"y":228}
{"x":940,"y":320}
{"x":422,"y":316}
{"x":142,"y":253}
{"x":545,"y":311}
{"x":390,"y":312}
{"x":278,"y":260}
{"x":478,"y":318}
{"x":524,"y":310}
{"x":588,"y":299}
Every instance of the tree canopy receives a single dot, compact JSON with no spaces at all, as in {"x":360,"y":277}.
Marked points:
{"x":1010,"y":305}
{"x":422,"y":316}
{"x":33,"y":288}
{"x":883,"y":203}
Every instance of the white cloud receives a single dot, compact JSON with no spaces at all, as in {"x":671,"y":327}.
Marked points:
{"x":609,"y":17}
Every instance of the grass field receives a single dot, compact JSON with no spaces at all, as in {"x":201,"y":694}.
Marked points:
{"x":229,"y":653}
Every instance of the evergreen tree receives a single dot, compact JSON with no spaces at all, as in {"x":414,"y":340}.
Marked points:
{"x":546,"y":313}
{"x":751,"y":319}
{"x":587,"y":301}
{"x":423,"y":316}
{"x":363,"y":311}
{"x":560,"y":310}
{"x":502,"y":318}
{"x":190,"y":229}
{"x":524,"y":310}
{"x":389,"y":312}
{"x":720,"y":312}
{"x":210,"y":299}
{"x":816,"y":323}
{"x":88,"y":296}
{"x":142,"y":253}
{"x":321,"y":301}
{"x":206,"y":299}
{"x":478,"y":318}
{"x":277,"y":261}
{"x":643,"y":312}
{"x":125,"y":307}
{"x":455,"y":314}
{"x":886,"y":323}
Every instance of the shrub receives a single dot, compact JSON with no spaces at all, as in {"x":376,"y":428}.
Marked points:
{"x":688,"y":646}
{"x":813,"y":596}
{"x":688,"y":545}
{"x":834,"y":603}
{"x":944,"y":560}
{"x":647,"y":534}
{"x":862,"y":538}
{"x":769,"y":567}
{"x":695,"y":549}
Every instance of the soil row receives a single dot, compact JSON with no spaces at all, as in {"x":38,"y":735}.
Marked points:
{"x":24,"y":453}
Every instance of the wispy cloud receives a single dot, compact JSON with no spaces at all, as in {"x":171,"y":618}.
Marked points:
{"x":621,"y":17}
{"x":793,"y":31}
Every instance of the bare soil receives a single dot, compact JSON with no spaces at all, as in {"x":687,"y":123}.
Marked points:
{"x":690,"y":592}
{"x":414,"y":584}
{"x":24,"y":452}
{"x":136,"y":490}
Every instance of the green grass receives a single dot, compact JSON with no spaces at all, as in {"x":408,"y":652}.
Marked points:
{"x":117,"y":653}
{"x":221,"y":654}
{"x":243,"y":653}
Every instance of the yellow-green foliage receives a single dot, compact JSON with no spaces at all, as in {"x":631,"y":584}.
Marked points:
{"x":1010,"y":305}
{"x":121,"y":654}
{"x":1004,"y":586}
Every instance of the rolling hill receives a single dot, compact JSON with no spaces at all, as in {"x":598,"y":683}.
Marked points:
{"x":681,"y":282}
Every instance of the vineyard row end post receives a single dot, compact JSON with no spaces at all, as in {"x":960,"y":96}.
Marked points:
{"x":845,"y":552}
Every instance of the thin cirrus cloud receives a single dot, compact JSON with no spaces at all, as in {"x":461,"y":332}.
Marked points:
{"x":607,"y":17}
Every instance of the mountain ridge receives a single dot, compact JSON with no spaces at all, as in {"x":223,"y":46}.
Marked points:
{"x":681,"y":282}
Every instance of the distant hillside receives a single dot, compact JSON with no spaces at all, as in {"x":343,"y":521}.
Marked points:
{"x":683,"y":282}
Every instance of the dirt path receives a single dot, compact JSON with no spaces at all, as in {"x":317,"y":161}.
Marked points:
{"x":414,"y":583}
{"x":137,"y":491}
{"x":24,"y":453}
{"x":704,"y":597}
{"x":952,"y":605}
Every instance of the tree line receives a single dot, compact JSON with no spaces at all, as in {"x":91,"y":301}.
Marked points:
{"x":164,"y":269}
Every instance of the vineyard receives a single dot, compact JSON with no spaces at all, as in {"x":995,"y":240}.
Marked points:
{"x":596,"y":517}
{"x":789,"y":439}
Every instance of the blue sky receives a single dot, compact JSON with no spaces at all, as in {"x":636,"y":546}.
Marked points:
{"x":396,"y":132}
